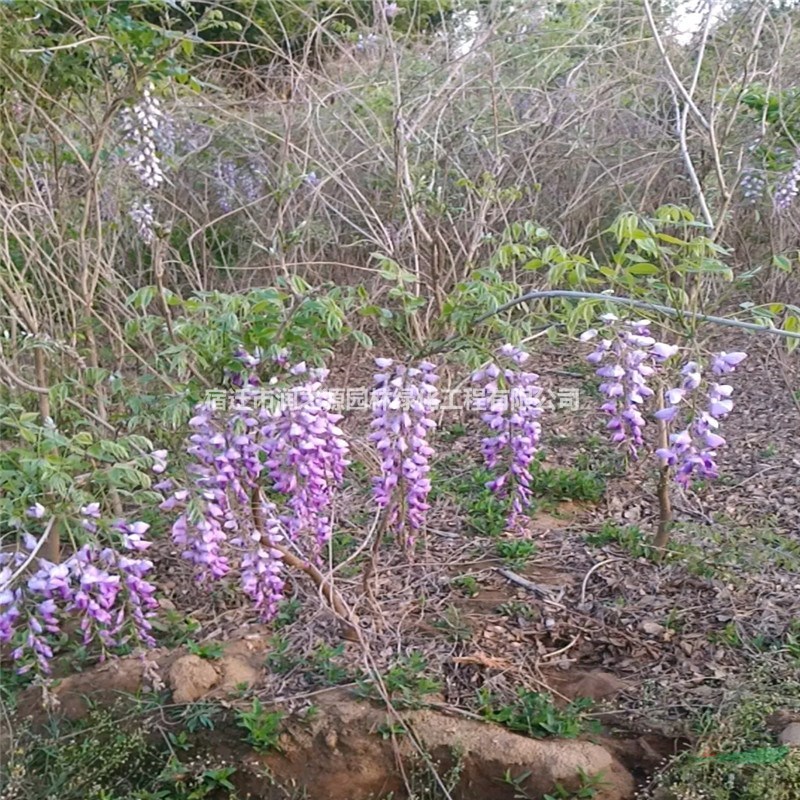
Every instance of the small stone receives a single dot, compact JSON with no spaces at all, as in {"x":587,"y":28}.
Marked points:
{"x":790,"y":735}
{"x":652,"y":628}
{"x":190,"y":678}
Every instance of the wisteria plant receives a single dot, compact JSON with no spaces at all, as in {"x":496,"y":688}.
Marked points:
{"x":630,"y":360}
{"x":404,"y":400}
{"x":264,"y":477}
{"x":101,"y":585}
{"x":511,"y":407}
{"x":294,"y":448}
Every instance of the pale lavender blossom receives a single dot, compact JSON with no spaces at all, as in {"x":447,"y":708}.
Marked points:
{"x":511,"y":405}
{"x":692,"y":451}
{"x":140,"y":125}
{"x":404,"y":400}
{"x":159,"y":461}
{"x":144,"y":218}
{"x":786,"y":191}
{"x":626,"y":361}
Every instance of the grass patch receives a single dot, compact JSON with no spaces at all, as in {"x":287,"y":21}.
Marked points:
{"x":406,"y":682}
{"x":737,"y":757}
{"x":534,"y":714}
{"x":104,"y":757}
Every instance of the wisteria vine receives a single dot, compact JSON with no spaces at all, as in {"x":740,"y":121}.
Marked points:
{"x":227,"y":519}
{"x":264,"y":479}
{"x":404,"y":400}
{"x":692,"y":451}
{"x":511,"y":406}
{"x":628,"y":358}
{"x":105,"y":588}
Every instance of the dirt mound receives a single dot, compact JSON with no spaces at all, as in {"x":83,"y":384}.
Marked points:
{"x":344,"y":751}
{"x":341,"y":756}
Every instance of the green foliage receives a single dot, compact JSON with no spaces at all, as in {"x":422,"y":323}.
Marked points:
{"x":263,"y":728}
{"x":42,"y":44}
{"x":557,"y":484}
{"x":199,"y":715}
{"x":66,"y":470}
{"x":390,"y":729}
{"x":324,"y":666}
{"x":207,"y":327}
{"x":287,"y":613}
{"x":516,"y":552}
{"x":467,"y":584}
{"x":406,"y":683}
{"x":629,"y":537}
{"x":207,"y":650}
{"x":453,"y":625}
{"x":275,"y":30}
{"x":486,"y":513}
{"x":518,"y":609}
{"x":105,"y":758}
{"x":279,"y":659}
{"x":535,"y":715}
{"x":735,"y":756}
{"x":172,"y":629}
{"x":590,"y":786}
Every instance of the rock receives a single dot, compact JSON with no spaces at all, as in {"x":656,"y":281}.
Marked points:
{"x":343,"y":759}
{"x":790,"y":735}
{"x":652,"y":628}
{"x":490,"y":751}
{"x":598,"y":685}
{"x":237,"y":673}
{"x":191,"y":678}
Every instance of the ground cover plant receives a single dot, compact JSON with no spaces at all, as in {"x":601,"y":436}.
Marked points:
{"x":438,"y":357}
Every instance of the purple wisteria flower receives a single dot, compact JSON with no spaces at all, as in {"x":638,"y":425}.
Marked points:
{"x":140,"y":124}
{"x":692,"y":451}
{"x":403,"y":401}
{"x":103,"y":587}
{"x":306,"y":455}
{"x":246,"y":376}
{"x":296,"y":449}
{"x":629,"y":358}
{"x":786,"y":191}
{"x":238,"y":183}
{"x":143,"y":217}
{"x":511,"y":406}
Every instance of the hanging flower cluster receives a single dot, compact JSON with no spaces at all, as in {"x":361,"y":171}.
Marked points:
{"x":238,"y":183}
{"x":141,"y":123}
{"x":692,"y":451}
{"x":511,"y":406}
{"x":145,"y":130}
{"x":629,"y":358}
{"x":403,"y":402}
{"x":143,"y":217}
{"x":786,"y":191}
{"x":306,"y":456}
{"x":226,"y":517}
{"x":223,"y":518}
{"x":104,"y":588}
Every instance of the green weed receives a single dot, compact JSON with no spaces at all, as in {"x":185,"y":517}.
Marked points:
{"x":516,"y":552}
{"x":535,"y":715}
{"x":263,"y":727}
{"x":406,"y":683}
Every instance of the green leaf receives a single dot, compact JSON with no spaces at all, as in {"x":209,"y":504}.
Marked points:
{"x":782,"y":263}
{"x":643,"y":269}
